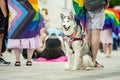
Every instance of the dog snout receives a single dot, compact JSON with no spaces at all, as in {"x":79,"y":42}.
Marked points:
{"x":64,"y":26}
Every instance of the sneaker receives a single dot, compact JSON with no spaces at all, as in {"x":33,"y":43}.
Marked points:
{"x":3,"y":62}
{"x":108,"y":55}
{"x":104,"y":55}
{"x":97,"y":65}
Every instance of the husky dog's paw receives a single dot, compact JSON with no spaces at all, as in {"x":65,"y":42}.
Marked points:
{"x":67,"y":67}
{"x":88,"y":68}
{"x":75,"y":68}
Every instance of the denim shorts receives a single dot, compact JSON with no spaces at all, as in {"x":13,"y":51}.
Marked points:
{"x":95,"y":19}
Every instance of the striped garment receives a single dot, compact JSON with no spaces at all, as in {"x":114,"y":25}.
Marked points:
{"x":24,"y":19}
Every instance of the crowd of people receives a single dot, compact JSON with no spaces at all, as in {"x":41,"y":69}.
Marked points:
{"x":49,"y":44}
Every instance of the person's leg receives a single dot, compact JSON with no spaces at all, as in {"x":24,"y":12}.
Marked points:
{"x":95,"y":40}
{"x":1,"y":38}
{"x":29,"y":57}
{"x":95,"y":22}
{"x":110,"y":48}
{"x":2,"y":61}
{"x":17,"y":55}
{"x":105,"y":48}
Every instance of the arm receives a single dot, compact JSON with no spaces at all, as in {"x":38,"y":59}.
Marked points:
{"x":40,"y":49}
{"x":43,"y":37}
{"x":43,"y":34}
{"x":44,"y":45}
{"x":3,"y":7}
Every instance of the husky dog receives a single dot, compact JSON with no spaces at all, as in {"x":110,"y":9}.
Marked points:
{"x":77,"y":49}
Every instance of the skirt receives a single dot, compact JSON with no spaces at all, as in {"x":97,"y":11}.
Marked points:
{"x":29,"y":43}
{"x":106,"y":36}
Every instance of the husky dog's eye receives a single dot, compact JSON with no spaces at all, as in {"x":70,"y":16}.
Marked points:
{"x":63,"y":21}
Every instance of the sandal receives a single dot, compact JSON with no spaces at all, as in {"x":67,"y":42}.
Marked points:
{"x":28,"y":63}
{"x":17,"y":64}
{"x":97,"y":65}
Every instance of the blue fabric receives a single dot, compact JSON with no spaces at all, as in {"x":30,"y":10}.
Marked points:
{"x":53,"y":31}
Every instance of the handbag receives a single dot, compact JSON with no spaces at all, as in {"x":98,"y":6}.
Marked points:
{"x":92,"y":5}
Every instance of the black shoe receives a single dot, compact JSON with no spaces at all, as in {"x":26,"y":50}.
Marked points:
{"x":3,"y":62}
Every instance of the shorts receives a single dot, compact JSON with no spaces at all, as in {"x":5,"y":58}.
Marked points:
{"x":95,"y":19}
{"x":3,"y":24}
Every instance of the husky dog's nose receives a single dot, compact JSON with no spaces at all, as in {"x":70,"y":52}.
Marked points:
{"x":63,"y":25}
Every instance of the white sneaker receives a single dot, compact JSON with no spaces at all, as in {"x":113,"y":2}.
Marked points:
{"x":104,"y":55}
{"x":3,"y":62}
{"x":108,"y":55}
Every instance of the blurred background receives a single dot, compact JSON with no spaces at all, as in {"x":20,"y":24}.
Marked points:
{"x":115,"y":3}
{"x":55,"y":7}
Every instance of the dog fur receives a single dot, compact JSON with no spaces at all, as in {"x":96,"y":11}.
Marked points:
{"x":78,"y":55}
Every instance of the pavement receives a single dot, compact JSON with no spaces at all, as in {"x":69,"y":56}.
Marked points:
{"x":55,"y":70}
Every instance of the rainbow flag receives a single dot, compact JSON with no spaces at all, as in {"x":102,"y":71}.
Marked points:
{"x":80,"y":16}
{"x":112,"y":20}
{"x":24,"y":19}
{"x":111,"y":16}
{"x":78,"y":6}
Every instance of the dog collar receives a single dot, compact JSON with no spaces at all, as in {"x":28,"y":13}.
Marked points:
{"x":70,"y":36}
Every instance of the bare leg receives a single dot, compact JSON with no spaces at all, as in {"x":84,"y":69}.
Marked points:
{"x":29,"y":54}
{"x":1,"y":59}
{"x":93,"y":38}
{"x":104,"y":48}
{"x":3,"y":8}
{"x":95,"y":43}
{"x":1,"y":38}
{"x":17,"y":54}
{"x":110,"y":47}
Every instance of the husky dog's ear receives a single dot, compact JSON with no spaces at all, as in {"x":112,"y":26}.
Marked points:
{"x":71,"y":15}
{"x":62,"y":16}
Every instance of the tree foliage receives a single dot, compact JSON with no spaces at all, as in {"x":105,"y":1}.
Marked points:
{"x":114,"y":3}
